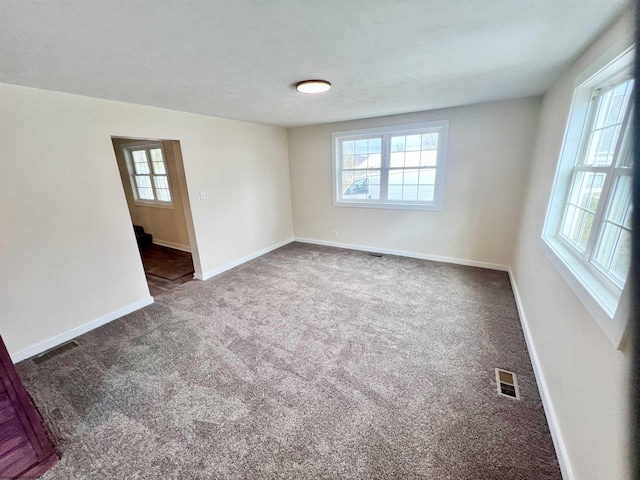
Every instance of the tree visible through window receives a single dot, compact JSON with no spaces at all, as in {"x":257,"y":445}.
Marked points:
{"x":149,"y":176}
{"x":391,"y":167}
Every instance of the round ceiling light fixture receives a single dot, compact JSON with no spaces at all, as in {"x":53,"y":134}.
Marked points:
{"x":313,"y":86}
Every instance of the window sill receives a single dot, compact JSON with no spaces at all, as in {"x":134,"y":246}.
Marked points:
{"x":167,"y":206}
{"x":610,"y":312}
{"x":390,"y":206}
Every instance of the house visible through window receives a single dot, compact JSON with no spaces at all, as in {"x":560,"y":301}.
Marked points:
{"x":148,"y":172}
{"x":390,"y":167}
{"x":597,"y":215}
{"x":588,"y":224}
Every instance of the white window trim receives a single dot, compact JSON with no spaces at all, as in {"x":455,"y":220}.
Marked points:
{"x":441,"y":126}
{"x":608,"y":306}
{"x":139,"y":201}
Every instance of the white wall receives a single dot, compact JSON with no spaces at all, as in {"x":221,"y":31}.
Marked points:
{"x":585,"y":376}
{"x":68,"y":255}
{"x":489,"y":150}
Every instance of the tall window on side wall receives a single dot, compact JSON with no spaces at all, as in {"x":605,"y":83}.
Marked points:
{"x":588,"y":226}
{"x":390,"y":167}
{"x":148,"y":174}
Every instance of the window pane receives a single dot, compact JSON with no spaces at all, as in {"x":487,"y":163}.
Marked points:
{"x":607,"y":245}
{"x":577,"y":227}
{"x":145,"y":194}
{"x":429,"y":141}
{"x":620,"y":209}
{"x":622,"y":257}
{"x":364,"y":154}
{"x":361,"y":161}
{"x":428,"y":158}
{"x":395,"y":192}
{"x":602,"y":145}
{"x":143,"y":181}
{"x":163,"y":194}
{"x":348,"y":148}
{"x":614,"y":252}
{"x":412,"y":159}
{"x":412,"y":184}
{"x":396,"y":177}
{"x":410,"y":193}
{"x":585,"y":231}
{"x":140,"y":164}
{"x":426,"y":193}
{"x":414,"y":150}
{"x":613,"y":105}
{"x":397,"y":159}
{"x":428,"y":176}
{"x":398,"y":144}
{"x":413,"y":143}
{"x":568,"y":221}
{"x":606,"y":130}
{"x":375,"y":145}
{"x":143,"y":185}
{"x":161,"y":182}
{"x":361,"y":146}
{"x":361,"y":185}
{"x":586,"y":188}
{"x":157,"y":161}
{"x":162,"y":188}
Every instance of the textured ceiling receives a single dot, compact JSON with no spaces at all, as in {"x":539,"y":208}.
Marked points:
{"x":240,"y":58}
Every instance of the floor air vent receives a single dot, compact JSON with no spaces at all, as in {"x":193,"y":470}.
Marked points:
{"x":54,"y":352}
{"x":375,"y":254}
{"x":507,"y":383}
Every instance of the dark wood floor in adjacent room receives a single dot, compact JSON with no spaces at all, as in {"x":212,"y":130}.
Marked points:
{"x":166,"y":268}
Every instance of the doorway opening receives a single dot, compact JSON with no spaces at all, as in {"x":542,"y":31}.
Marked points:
{"x":154,"y":184}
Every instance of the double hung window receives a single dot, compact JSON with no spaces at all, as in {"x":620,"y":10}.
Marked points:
{"x":587,"y":232}
{"x":597,"y":215}
{"x":148,"y":174}
{"x":390,"y":167}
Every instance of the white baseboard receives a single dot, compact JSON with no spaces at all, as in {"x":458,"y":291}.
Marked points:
{"x":556,"y":434}
{"x":235,"y":263}
{"x":401,"y":253}
{"x":177,"y":246}
{"x":74,"y":332}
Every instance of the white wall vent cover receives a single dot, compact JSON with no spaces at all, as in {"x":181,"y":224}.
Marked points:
{"x":507,"y":384}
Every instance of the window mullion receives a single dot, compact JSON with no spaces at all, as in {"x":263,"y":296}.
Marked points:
{"x":151,"y":175}
{"x":385,"y":159}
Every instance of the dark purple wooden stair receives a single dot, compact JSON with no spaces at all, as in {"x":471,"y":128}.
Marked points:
{"x":25,"y":449}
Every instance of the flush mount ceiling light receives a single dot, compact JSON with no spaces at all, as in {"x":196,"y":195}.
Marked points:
{"x":313,"y":86}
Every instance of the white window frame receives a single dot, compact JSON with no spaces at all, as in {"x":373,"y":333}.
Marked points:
{"x":127,"y":149}
{"x":606,"y":301}
{"x":439,"y":126}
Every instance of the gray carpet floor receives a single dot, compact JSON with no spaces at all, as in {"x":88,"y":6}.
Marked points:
{"x":308,"y":362}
